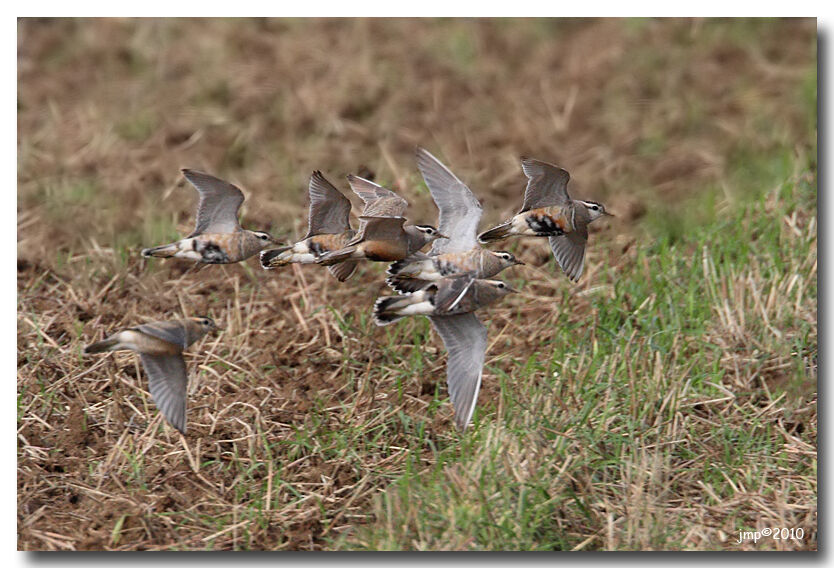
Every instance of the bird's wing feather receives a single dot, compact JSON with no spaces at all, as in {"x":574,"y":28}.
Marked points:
{"x":172,"y":331}
{"x":379,"y":229}
{"x":569,"y":251}
{"x":465,"y":338}
{"x":219,"y":203}
{"x":329,"y":209}
{"x":460,"y":210}
{"x":451,"y":293}
{"x":168,"y":381}
{"x":379,"y":201}
{"x":547,"y":185}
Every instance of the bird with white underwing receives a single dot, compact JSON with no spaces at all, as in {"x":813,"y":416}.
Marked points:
{"x":450,"y":304}
{"x":160,"y":345}
{"x":548,"y":211}
{"x":328,"y":230}
{"x":459,"y":251}
{"x":217,"y":237}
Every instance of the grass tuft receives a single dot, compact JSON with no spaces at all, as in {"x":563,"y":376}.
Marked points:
{"x":666,"y":401}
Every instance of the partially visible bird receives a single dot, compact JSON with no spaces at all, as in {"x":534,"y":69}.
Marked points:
{"x":379,"y":201}
{"x":460,"y":213}
{"x":382,"y":234}
{"x":548,"y":211}
{"x":449,"y":304}
{"x":418,"y":270}
{"x":328,"y":230}
{"x":160,"y":345}
{"x":217,"y":237}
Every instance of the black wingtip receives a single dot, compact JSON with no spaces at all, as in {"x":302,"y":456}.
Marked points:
{"x":396,"y":267}
{"x":406,"y":285}
{"x":265,"y":260}
{"x":380,"y":315}
{"x":383,"y":303}
{"x":385,"y":319}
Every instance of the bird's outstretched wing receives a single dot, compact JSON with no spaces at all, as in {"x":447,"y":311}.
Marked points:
{"x":219,"y":203}
{"x":547,"y":185}
{"x":379,"y":229}
{"x":465,"y":338}
{"x":460,"y":210}
{"x":167,"y":381}
{"x":569,"y":251}
{"x":379,"y":201}
{"x":329,"y":209}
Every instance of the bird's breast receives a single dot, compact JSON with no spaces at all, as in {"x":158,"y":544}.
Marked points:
{"x":455,"y":262}
{"x":321,"y":244}
{"x":383,"y":251}
{"x":547,"y":222}
{"x":218,"y":248}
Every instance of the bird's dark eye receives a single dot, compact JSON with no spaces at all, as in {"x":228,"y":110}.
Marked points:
{"x":501,"y":285}
{"x":594,"y":207}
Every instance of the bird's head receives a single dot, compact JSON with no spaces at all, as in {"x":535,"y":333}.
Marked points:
{"x":595,"y":210}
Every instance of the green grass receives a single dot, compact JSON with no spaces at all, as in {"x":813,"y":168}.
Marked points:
{"x":665,"y":401}
{"x":649,"y":403}
{"x":590,"y":427}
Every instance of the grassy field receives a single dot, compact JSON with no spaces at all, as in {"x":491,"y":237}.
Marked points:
{"x":667,"y":401}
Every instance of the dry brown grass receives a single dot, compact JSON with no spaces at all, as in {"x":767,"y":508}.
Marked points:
{"x":671,"y":445}
{"x":301,"y":414}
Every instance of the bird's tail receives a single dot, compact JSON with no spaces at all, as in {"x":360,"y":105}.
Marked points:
{"x":405,"y":267}
{"x":385,"y":309}
{"x":406,"y":284}
{"x":402,"y":274}
{"x":343,"y":270}
{"x":499,"y":232}
{"x":108,"y":344}
{"x":274,"y":258}
{"x":163,"y":251}
{"x":336,"y":256}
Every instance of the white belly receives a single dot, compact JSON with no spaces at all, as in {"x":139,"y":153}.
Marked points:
{"x":186,"y":250}
{"x":520,"y":226}
{"x":129,"y":339}
{"x":421,"y":308}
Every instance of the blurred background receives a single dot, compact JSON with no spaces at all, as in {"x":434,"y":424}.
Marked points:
{"x":662,"y":119}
